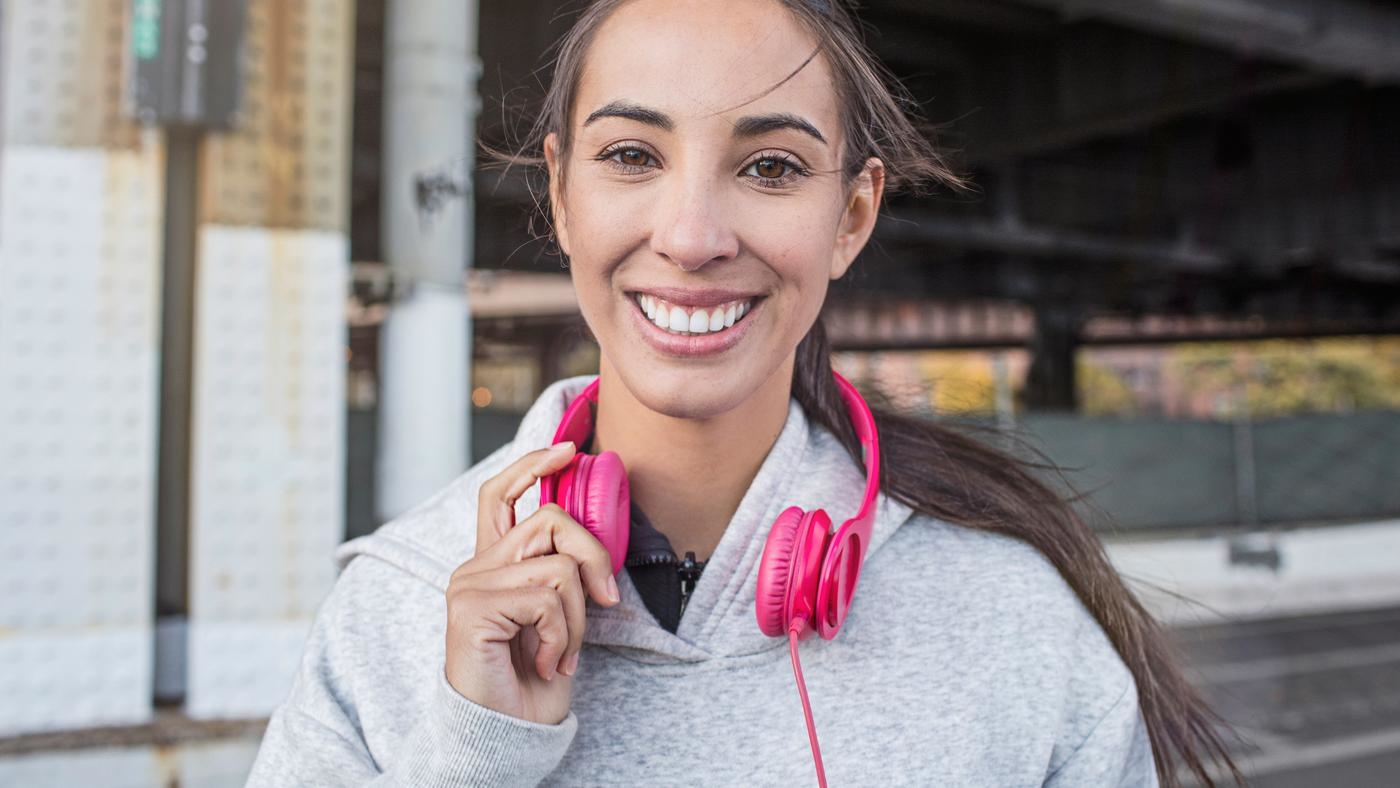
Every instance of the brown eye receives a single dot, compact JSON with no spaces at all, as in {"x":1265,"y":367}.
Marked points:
{"x":770,"y":169}
{"x":628,"y":158}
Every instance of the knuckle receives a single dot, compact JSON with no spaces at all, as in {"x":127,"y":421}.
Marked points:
{"x":490,"y":489}
{"x":544,"y":526}
{"x":460,"y":574}
{"x":547,"y":571}
{"x":466,"y":572}
{"x":462,"y":603}
{"x":562,"y":565}
{"x":553,"y":602}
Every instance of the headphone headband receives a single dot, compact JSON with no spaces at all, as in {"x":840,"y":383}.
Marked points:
{"x":864,"y":423}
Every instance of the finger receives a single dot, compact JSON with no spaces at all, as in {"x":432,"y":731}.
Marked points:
{"x":506,"y":612}
{"x":497,"y":496}
{"x":557,"y":571}
{"x":551,"y":530}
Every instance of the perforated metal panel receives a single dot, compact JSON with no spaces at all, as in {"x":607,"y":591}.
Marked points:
{"x":286,"y":165}
{"x":79,"y":283}
{"x":65,"y":73}
{"x":268,"y":457}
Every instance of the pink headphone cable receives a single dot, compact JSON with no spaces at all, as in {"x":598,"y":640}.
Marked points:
{"x":806,"y":706}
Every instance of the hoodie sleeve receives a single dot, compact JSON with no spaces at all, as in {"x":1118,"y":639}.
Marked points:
{"x":1116,"y":752}
{"x":370,"y":703}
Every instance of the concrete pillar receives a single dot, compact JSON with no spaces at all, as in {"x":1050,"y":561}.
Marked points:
{"x":430,"y":106}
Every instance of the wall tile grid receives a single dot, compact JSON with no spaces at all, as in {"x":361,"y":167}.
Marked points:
{"x":80,"y":249}
{"x":268,"y":444}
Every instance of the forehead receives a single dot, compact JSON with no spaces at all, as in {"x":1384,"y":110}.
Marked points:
{"x":694,"y":58}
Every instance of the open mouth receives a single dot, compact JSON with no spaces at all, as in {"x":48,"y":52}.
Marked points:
{"x":691,"y":320}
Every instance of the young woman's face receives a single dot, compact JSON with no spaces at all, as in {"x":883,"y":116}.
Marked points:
{"x":695,"y":193}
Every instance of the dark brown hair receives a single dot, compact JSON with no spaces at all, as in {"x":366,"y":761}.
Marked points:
{"x":937,"y":469}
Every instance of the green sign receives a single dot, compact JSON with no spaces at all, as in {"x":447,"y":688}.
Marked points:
{"x":145,"y":28}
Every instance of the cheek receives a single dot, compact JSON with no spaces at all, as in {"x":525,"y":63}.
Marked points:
{"x":799,"y":228}
{"x":801,"y":258}
{"x":603,"y":231}
{"x":798,"y":249}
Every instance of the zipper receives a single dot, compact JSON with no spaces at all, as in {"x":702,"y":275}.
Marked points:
{"x":689,"y":573}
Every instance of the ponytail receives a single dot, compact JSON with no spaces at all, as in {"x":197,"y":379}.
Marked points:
{"x":959,"y":479}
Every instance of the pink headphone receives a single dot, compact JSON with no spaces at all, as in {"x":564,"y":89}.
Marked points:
{"x":807,"y":575}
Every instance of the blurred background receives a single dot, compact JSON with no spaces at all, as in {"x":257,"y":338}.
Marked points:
{"x":257,"y":296}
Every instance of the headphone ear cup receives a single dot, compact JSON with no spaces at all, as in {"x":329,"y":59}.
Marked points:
{"x":604,"y":504}
{"x":775,"y":570}
{"x":593,"y":490}
{"x":564,"y":480}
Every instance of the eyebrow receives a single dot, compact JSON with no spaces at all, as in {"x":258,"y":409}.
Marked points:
{"x":747,"y":126}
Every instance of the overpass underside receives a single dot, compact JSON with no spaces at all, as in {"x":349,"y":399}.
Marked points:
{"x":1149,"y":171}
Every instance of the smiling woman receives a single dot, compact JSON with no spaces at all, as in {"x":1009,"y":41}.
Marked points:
{"x":711,"y":166}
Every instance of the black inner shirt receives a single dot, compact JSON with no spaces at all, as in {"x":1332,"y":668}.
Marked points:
{"x":664,"y":581}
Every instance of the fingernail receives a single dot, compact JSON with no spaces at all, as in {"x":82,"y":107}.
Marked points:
{"x":612,"y":588}
{"x":553,"y":453}
{"x":570,"y":664}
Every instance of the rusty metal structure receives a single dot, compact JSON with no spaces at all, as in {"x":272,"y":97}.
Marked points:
{"x":1230,"y":167}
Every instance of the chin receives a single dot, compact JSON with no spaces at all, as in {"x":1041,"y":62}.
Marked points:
{"x":697,"y":394}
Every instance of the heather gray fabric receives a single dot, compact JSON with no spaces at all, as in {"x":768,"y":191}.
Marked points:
{"x":965,"y":661}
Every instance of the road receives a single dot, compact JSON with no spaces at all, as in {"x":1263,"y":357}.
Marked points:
{"x":1317,"y":696}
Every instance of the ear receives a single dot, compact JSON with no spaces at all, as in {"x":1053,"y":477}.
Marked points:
{"x":556,"y":197}
{"x":858,"y":220}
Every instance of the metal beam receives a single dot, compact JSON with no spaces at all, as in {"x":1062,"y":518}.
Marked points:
{"x":1151,"y":112}
{"x":1017,"y":239}
{"x":1352,"y":37}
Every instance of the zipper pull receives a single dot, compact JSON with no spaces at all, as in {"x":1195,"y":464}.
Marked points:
{"x":689,"y":572}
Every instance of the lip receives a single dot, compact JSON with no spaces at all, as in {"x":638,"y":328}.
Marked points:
{"x":698,"y":297}
{"x":670,"y":344}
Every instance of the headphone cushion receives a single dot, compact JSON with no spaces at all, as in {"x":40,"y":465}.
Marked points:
{"x":600,"y":493}
{"x":775,"y":571}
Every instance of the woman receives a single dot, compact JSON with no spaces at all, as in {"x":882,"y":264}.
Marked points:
{"x":712,"y":166}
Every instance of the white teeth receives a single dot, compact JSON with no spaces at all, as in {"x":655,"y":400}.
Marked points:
{"x":680,"y":320}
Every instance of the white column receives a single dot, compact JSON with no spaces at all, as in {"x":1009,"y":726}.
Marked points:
{"x":430,"y":72}
{"x":81,"y":196}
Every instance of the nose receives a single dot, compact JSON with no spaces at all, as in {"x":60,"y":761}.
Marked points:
{"x":692,"y":227}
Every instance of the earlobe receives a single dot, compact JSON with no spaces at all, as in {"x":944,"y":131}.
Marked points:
{"x":858,"y":221}
{"x":556,"y":202}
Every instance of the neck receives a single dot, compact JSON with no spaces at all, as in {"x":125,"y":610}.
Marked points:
{"x":689,"y":475}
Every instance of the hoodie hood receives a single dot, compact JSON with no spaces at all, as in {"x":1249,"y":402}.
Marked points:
{"x":805,"y":467}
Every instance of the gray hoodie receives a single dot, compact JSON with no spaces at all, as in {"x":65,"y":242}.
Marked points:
{"x":965,"y":661}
